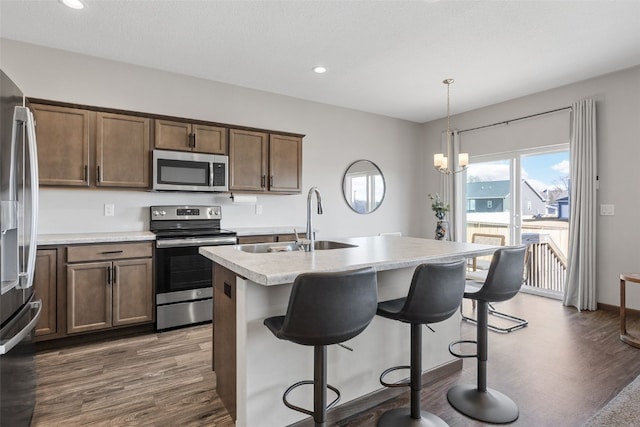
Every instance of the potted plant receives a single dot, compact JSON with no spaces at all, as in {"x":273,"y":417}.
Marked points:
{"x":440,"y":209}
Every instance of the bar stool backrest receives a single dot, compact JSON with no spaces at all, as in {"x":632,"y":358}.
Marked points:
{"x":504,"y":278}
{"x":435,"y":294}
{"x":329,"y":308}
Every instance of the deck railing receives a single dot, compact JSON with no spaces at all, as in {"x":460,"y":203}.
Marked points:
{"x":546,"y":263}
{"x":546,"y":266}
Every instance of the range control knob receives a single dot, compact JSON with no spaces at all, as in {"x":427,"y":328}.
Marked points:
{"x":216,"y":212}
{"x":163,"y":213}
{"x":156,"y":213}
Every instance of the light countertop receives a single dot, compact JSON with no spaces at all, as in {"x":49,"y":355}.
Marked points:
{"x":50,"y":239}
{"x":380,"y":252}
{"x":106,"y":237}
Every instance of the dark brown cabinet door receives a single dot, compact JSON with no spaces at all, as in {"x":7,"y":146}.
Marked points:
{"x":285,"y":164}
{"x":63,"y":145}
{"x":248,"y":160}
{"x":224,"y":336}
{"x":45,"y":286}
{"x":184,"y":136}
{"x":172,"y":135}
{"x":89,"y":297}
{"x":122,"y":151}
{"x":209,"y":139}
{"x":132,"y":292}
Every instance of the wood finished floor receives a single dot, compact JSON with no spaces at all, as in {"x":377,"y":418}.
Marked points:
{"x":560,"y":370}
{"x":151,"y":380}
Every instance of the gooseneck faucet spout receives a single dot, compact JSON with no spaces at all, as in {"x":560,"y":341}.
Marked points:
{"x":310,"y":233}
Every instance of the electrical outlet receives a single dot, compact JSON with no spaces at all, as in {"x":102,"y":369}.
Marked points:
{"x":109,"y":209}
{"x":607,"y":210}
{"x":258,"y":209}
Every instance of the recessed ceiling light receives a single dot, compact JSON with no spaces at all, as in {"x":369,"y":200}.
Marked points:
{"x":319,"y":69}
{"x":73,"y":4}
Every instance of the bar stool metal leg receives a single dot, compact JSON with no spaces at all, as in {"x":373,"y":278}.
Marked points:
{"x":413,"y":416}
{"x":482,"y":403}
{"x":320,"y":386}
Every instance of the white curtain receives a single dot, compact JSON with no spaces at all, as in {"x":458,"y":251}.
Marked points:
{"x":580,"y":285}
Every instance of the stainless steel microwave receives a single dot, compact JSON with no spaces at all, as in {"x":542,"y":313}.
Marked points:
{"x":185,"y":171}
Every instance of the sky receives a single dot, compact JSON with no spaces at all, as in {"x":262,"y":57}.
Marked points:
{"x":542,"y":171}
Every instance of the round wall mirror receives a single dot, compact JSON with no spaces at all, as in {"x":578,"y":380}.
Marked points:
{"x":363,"y":186}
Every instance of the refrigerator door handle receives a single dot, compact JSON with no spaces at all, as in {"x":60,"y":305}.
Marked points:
{"x":26,"y":277}
{"x":6,"y":346}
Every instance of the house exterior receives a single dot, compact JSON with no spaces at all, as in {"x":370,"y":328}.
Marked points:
{"x":563,"y":206}
{"x":495,"y":196}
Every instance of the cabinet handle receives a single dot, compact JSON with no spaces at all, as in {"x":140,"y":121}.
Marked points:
{"x":109,"y":275}
{"x":271,"y":181}
{"x":263,"y":181}
{"x":98,"y":176}
{"x":114,"y":277}
{"x":192,"y":140}
{"x":86,"y":174}
{"x":111,"y":252}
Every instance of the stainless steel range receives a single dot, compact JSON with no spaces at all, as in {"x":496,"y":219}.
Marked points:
{"x":183,"y":277}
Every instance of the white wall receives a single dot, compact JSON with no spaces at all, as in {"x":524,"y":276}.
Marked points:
{"x":617,"y":98}
{"x":335,"y":137}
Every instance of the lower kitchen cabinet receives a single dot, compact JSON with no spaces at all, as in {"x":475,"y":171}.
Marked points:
{"x":109,"y":285}
{"x":45,"y":285}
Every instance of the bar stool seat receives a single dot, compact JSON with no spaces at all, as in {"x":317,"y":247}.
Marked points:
{"x":503,"y":283}
{"x":435,"y":295}
{"x":325,"y":309}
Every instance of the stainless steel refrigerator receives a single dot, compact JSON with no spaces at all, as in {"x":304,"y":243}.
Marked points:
{"x":19,"y":311}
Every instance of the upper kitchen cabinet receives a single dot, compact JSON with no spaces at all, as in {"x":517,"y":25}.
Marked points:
{"x":248,"y":160}
{"x":63,"y":145}
{"x":285,"y":163}
{"x":85,"y":148}
{"x":183,"y":136}
{"x":262,"y":162}
{"x":122,"y":150}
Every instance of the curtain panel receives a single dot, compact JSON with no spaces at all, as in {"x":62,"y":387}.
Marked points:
{"x":580,"y":282}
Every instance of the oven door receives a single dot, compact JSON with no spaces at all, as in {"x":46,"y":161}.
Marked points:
{"x":179,"y":265}
{"x":181,"y":269}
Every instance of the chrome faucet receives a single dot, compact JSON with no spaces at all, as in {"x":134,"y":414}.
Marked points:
{"x":311,"y":235}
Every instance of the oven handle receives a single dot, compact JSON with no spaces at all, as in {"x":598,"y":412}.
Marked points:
{"x":195,"y":241}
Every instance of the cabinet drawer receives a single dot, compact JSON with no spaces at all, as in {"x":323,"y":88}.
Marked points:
{"x":108,"y":252}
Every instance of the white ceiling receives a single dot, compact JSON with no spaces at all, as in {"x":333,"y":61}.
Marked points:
{"x":385,"y":57}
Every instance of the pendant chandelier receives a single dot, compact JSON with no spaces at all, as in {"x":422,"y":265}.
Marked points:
{"x":441,"y":160}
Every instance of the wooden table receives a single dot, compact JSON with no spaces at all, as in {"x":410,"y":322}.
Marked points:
{"x":624,"y":336}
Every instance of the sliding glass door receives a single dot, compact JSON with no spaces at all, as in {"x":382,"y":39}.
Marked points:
{"x":523,"y":196}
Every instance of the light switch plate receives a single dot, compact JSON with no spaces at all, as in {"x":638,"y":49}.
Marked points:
{"x":109,"y":209}
{"x":258,"y":209}
{"x":607,"y":210}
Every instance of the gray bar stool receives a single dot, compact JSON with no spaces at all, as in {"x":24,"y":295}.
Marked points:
{"x":325,"y":309}
{"x":435,"y":295}
{"x":503,"y":282}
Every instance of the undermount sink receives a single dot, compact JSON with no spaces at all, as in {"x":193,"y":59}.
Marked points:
{"x":320,"y":245}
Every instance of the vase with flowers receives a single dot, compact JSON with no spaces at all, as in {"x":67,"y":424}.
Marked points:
{"x":440,"y":209}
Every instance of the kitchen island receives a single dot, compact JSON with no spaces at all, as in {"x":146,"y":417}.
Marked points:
{"x":254,"y":368}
